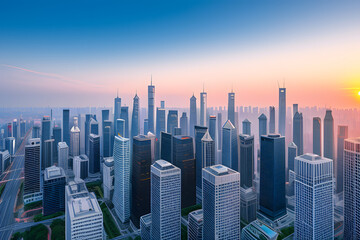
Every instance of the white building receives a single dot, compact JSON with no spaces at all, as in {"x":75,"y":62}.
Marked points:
{"x":63,"y":155}
{"x":221,"y":203}
{"x":165,"y":201}
{"x":314,"y":202}
{"x":122,"y":167}
{"x":108,"y":177}
{"x":75,"y":139}
{"x":83,"y":215}
{"x":4,"y":160}
{"x":81,"y":166}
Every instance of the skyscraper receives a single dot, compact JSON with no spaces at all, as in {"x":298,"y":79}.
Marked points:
{"x":165,"y":201}
{"x":282,"y":111}
{"x":15,"y":126}
{"x":292,"y":154}
{"x":298,"y":132}
{"x":48,"y":157}
{"x":94,"y":126}
{"x":262,"y":125}
{"x":219,"y":126}
{"x":342,"y":135}
{"x":54,"y":190}
{"x":160,"y":121}
{"x":94,"y":153}
{"x":107,"y":136}
{"x":145,"y":227}
{"x":221,"y":190}
{"x":143,"y":157}
{"x":151,"y":107}
{"x":207,"y":150}
{"x":246,"y":160}
{"x":212,"y":127}
{"x":88,"y":118}
{"x":352,"y":189}
{"x":75,"y":139}
{"x":172,"y":121}
{"x":231,"y":107}
{"x":122,"y":172}
{"x":193,"y":115}
{"x":32,"y":175}
{"x":63,"y":155}
{"x":125,"y":115}
{"x":195,"y":225}
{"x":317,"y":146}
{"x":66,"y":126}
{"x":314,"y":210}
{"x":246,"y":124}
{"x":135,"y":120}
{"x":272,"y":119}
{"x":166,"y":146}
{"x":329,"y":135}
{"x":230,"y":157}
{"x":184,"y":124}
{"x":199,"y":134}
{"x":120,"y":127}
{"x":36,"y":132}
{"x":81,"y":166}
{"x":45,"y":135}
{"x":117,"y":110}
{"x":57,"y":139}
{"x":23,"y":128}
{"x":272,"y":176}
{"x":108,"y":178}
{"x":162,"y":104}
{"x":203,"y":108}
{"x":146,"y":126}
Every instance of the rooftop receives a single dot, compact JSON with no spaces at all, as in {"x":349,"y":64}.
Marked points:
{"x":83,"y":205}
{"x":109,"y":161}
{"x":62,"y":145}
{"x":228,"y":125}
{"x":263,"y":116}
{"x":53,"y":172}
{"x":147,"y":219}
{"x":207,"y":137}
{"x":219,"y":170}
{"x":198,"y":215}
{"x":163,"y":165}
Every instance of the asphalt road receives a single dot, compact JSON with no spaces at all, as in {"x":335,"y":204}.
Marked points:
{"x":7,"y":200}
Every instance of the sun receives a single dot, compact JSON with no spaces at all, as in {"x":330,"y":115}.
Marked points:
{"x":359,"y":93}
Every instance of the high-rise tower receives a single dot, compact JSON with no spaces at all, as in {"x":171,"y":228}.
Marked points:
{"x":151,"y":107}
{"x":135,"y":119}
{"x":193,"y":115}
{"x":329,"y":135}
{"x":231,"y":107}
{"x":317,"y":136}
{"x":203,"y":108}
{"x":282,"y":111}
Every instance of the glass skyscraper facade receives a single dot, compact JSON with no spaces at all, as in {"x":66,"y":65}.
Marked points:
{"x":54,"y":190}
{"x":203,"y":108}
{"x":230,"y":157}
{"x":125,"y":115}
{"x":172,"y":121}
{"x":317,"y":146}
{"x":193,"y":115}
{"x":246,"y":143}
{"x":135,"y":119}
{"x":343,"y":134}
{"x":199,"y":134}
{"x":329,"y":135}
{"x":94,"y":153}
{"x":282,"y":111}
{"x":231,"y":107}
{"x":151,"y":107}
{"x":66,"y":126}
{"x":298,"y":132}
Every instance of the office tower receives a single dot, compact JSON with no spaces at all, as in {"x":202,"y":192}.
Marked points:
{"x":107,"y":136}
{"x":184,"y":124}
{"x":15,"y":127}
{"x":125,"y":115}
{"x":4,"y":160}
{"x":36,"y":132}
{"x":117,"y":110}
{"x":160,"y":121}
{"x":48,"y":157}
{"x":248,"y":203}
{"x":57,"y":139}
{"x":314,"y":210}
{"x":231,"y":107}
{"x":9,"y":131}
{"x":272,"y":176}
{"x":317,"y":146}
{"x":88,"y":118}
{"x":221,"y":190}
{"x":32,"y":191}
{"x":262,"y":125}
{"x":172,"y":121}
{"x":352,"y":189}
{"x":75,"y":139}
{"x":63,"y":155}
{"x":166,"y":146}
{"x":146,"y":126}
{"x":66,"y":126}
{"x":272,"y":119}
{"x":193,"y":115}
{"x":257,"y":230}
{"x":151,"y":107}
{"x":282,"y":111}
{"x":177,"y":131}
{"x":195,"y":225}
{"x":145,"y":227}
{"x":94,"y":126}
{"x":212,"y":127}
{"x":203,"y":108}
{"x":342,"y":135}
{"x":292,"y":154}
{"x":45,"y":135}
{"x":165,"y":201}
{"x":83,"y":215}
{"x":54,"y":190}
{"x":162,"y":104}
{"x":2,"y":139}
{"x":246,"y":124}
{"x":10,"y":145}
{"x":329,"y":135}
{"x":94,"y":153}
{"x":246,"y":160}
{"x":108,"y":177}
{"x":298,"y":132}
{"x":122,"y":173}
{"x":207,"y":150}
{"x":199,"y":134}
{"x":135,"y":119}
{"x":219,"y":128}
{"x":143,"y":156}
{"x":120,"y":127}
{"x":23,"y":128}
{"x":295,"y":108}
{"x":183,"y":158}
{"x":81,"y":166}
{"x":230,"y":157}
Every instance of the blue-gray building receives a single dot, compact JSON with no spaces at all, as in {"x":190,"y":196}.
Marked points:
{"x":54,"y":190}
{"x":329,"y":135}
{"x":341,"y":136}
{"x":282,"y":111}
{"x":172,"y":121}
{"x":57,"y":138}
{"x":199,"y":134}
{"x":219,"y":128}
{"x":262,"y":125}
{"x":230,"y":156}
{"x":203,"y":108}
{"x":120,"y":127}
{"x":231,"y":107}
{"x":145,"y":227}
{"x":94,"y":153}
{"x":195,"y":225}
{"x":272,"y":119}
{"x":246,"y":124}
{"x":317,"y":146}
{"x":246,"y":143}
{"x":107,"y":138}
{"x":212,"y":127}
{"x":135,"y":119}
{"x":125,"y":115}
{"x":193,"y":115}
{"x":117,"y":110}
{"x":184,"y":124}
{"x":298,"y":132}
{"x":45,"y":135}
{"x":160,"y":121}
{"x":66,"y":126}
{"x":151,"y":107}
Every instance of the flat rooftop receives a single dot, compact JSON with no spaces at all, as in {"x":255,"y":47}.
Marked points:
{"x":53,"y":172}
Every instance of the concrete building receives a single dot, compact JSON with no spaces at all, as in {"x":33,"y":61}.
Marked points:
{"x":108,"y":177}
{"x":75,"y":139}
{"x":81,"y":166}
{"x":63,"y":155}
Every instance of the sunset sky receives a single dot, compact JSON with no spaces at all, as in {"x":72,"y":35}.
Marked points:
{"x":58,"y":53}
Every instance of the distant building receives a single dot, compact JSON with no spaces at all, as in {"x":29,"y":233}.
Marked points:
{"x":298,"y":132}
{"x":329,"y":135}
{"x":10,"y":145}
{"x":257,"y":230}
{"x":246,"y":124}
{"x":54,"y":190}
{"x":221,"y":190}
{"x":184,"y":124}
{"x":246,"y":143}
{"x":63,"y":155}
{"x":4,"y":160}
{"x":219,"y":129}
{"x":203,"y":108}
{"x":57,"y":138}
{"x":230,"y":157}
{"x":282,"y":111}
{"x":207,"y":150}
{"x":108,"y":177}
{"x":165,"y":201}
{"x":135,"y":119}
{"x":193,"y":115}
{"x":199,"y":134}
{"x":94,"y":153}
{"x":81,"y":166}
{"x":36,"y":132}
{"x":32,"y":191}
{"x":248,"y":203}
{"x":262,"y":125}
{"x":195,"y":225}
{"x":341,"y":136}
{"x":107,"y":138}
{"x":66,"y":126}
{"x":48,"y":150}
{"x":125,"y":115}
{"x":45,"y":135}
{"x":151,"y":107}
{"x":314,"y":210}
{"x":120,"y":127}
{"x":117,"y":111}
{"x":212,"y":127}
{"x":160,"y":121}
{"x":317,"y":146}
{"x":172,"y":121}
{"x":75,"y":140}
{"x":231,"y":107}
{"x":145,"y":227}
{"x":272,"y":119}
{"x":292,"y":154}
{"x":23,"y":128}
